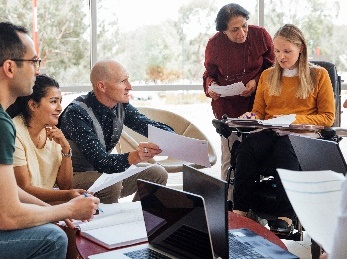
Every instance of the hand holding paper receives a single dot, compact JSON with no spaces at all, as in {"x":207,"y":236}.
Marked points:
{"x":228,"y":90}
{"x":180,"y":147}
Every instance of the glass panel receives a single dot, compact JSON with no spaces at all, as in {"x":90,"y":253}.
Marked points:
{"x":323,"y":23}
{"x":160,"y":41}
{"x":63,"y":35}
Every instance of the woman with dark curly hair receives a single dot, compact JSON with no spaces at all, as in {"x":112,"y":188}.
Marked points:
{"x":42,"y":157}
{"x":237,"y":52}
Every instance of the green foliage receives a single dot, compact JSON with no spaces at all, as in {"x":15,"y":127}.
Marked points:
{"x":168,"y":52}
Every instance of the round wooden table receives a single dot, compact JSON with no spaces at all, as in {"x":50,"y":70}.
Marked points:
{"x":80,"y":247}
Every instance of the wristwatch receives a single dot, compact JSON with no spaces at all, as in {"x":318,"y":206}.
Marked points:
{"x":68,"y":154}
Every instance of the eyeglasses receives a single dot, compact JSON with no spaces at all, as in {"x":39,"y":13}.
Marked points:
{"x":35,"y":62}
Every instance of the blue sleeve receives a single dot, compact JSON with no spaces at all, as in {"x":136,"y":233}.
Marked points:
{"x":139,"y":122}
{"x":78,"y":127}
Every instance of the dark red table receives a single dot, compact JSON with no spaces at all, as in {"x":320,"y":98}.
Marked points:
{"x":80,"y":247}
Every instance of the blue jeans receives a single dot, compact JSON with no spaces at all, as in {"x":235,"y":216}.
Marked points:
{"x":45,"y":241}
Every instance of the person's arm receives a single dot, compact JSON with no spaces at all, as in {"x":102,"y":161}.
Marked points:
{"x":139,"y":122}
{"x":21,"y":210}
{"x":65,"y":173}
{"x":48,"y":195}
{"x":210,"y":75}
{"x":345,"y":104}
{"x":78,"y":127}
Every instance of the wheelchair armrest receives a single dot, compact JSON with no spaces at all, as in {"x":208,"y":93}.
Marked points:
{"x":222,"y":128}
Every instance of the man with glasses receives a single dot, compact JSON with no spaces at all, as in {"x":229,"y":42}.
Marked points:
{"x":25,"y":228}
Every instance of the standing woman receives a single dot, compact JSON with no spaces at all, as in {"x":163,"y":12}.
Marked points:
{"x":42,"y":157}
{"x":237,"y":52}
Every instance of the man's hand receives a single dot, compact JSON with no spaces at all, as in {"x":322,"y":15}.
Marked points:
{"x":144,"y":152}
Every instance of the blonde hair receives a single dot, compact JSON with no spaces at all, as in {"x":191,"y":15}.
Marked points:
{"x":293,"y":34}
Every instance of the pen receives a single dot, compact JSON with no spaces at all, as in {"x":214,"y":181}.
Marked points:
{"x":86,"y":195}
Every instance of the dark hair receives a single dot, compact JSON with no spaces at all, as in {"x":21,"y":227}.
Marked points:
{"x":227,"y":12}
{"x":21,"y":107}
{"x":11,"y":45}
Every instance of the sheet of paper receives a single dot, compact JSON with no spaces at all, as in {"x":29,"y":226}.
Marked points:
{"x":180,"y":147}
{"x":106,"y":180}
{"x":284,"y":120}
{"x":228,"y":90}
{"x":315,"y":197}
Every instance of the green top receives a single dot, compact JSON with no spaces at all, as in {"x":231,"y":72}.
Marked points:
{"x":8,"y":135}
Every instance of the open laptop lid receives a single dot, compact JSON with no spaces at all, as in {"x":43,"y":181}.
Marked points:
{"x":214,"y":192}
{"x":175,"y":221}
{"x":318,"y":154}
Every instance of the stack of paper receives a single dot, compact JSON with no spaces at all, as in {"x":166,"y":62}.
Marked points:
{"x":315,"y":197}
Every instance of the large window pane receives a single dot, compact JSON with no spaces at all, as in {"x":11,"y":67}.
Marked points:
{"x":159,"y":41}
{"x":63,"y":35}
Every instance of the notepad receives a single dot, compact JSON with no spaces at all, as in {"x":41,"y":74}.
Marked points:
{"x":119,"y":225}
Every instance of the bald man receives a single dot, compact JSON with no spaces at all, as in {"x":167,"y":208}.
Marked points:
{"x":93,"y":124}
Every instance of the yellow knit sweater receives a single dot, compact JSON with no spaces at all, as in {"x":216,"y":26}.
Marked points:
{"x":317,"y":109}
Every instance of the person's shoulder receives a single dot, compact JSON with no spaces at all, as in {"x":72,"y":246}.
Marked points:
{"x":218,"y":36}
{"x":268,"y":71}
{"x":257,"y":30}
{"x":318,"y":70}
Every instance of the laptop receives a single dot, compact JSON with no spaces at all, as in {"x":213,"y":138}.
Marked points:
{"x":235,"y":243}
{"x":176,"y":225}
{"x":318,"y":154}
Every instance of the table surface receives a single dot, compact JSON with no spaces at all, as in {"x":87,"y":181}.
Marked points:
{"x":80,"y":247}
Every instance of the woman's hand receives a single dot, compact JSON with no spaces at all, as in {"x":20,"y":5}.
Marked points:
{"x":55,"y":134}
{"x":249,"y":115}
{"x":251,"y":86}
{"x":212,"y":94}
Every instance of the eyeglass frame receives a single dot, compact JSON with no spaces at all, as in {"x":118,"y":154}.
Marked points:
{"x":36,"y":62}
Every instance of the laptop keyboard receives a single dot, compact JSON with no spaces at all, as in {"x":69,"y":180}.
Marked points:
{"x":240,"y":250}
{"x":146,"y":253}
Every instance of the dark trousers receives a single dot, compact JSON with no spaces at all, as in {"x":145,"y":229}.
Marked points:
{"x":264,"y":148}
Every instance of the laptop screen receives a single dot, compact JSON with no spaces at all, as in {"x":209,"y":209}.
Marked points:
{"x":318,"y":154}
{"x":214,"y":192}
{"x":175,"y":221}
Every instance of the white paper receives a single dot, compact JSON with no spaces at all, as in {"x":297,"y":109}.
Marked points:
{"x":315,"y":197}
{"x":120,"y":224}
{"x":281,"y":121}
{"x":106,"y":180}
{"x":228,"y":90}
{"x":180,"y":147}
{"x":284,"y":120}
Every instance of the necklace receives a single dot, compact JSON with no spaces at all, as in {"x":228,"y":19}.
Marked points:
{"x":38,"y":141}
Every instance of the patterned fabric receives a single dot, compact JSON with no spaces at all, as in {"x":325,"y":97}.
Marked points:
{"x":89,"y":153}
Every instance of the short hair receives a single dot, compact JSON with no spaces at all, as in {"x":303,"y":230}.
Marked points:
{"x":40,"y":89}
{"x":227,"y":12}
{"x":11,"y":45}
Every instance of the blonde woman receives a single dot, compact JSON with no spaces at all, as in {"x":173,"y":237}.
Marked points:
{"x":292,"y":86}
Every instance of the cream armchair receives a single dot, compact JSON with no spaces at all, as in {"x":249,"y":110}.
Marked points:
{"x":129,"y":139}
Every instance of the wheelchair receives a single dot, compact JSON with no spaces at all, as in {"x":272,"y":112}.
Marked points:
{"x":264,"y":195}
